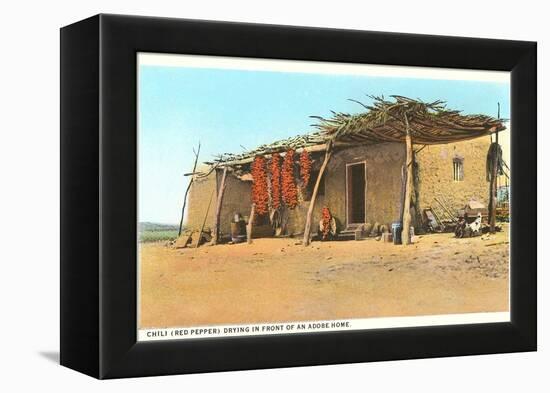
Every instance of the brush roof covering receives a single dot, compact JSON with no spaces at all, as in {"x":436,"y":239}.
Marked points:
{"x":382,"y":121}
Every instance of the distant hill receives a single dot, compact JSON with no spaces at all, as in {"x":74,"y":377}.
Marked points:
{"x":153,"y":227}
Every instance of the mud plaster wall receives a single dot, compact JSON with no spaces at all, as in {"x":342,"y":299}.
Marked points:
{"x":197,"y":203}
{"x":435,"y":165}
{"x":383,"y":162}
{"x":236,"y":199}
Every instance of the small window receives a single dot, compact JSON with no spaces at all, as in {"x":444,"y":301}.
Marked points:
{"x":311,"y":185}
{"x":458,"y":169}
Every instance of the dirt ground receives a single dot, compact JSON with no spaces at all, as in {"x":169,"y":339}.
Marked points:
{"x":276,"y":280}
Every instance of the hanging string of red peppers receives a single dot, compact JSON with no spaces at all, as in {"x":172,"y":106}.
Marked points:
{"x":283,"y":183}
{"x":290,"y":193}
{"x":326,"y":217}
{"x":275,"y":169}
{"x":260,"y":194}
{"x":305,"y":167}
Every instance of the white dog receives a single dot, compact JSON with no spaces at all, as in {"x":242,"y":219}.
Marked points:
{"x":475,"y":227}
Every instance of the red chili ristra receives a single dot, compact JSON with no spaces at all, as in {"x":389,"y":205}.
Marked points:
{"x":260,"y":194}
{"x":305,"y":167}
{"x":290,"y":193}
{"x":326,"y":218}
{"x":275,"y":169}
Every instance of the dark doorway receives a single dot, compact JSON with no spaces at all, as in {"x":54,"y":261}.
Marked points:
{"x":356,"y":190}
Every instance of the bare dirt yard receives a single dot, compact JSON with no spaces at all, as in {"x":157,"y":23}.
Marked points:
{"x":276,"y":280}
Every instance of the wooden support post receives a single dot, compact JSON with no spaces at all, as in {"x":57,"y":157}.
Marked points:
{"x":405,"y":231}
{"x":216,"y":232}
{"x":250,"y":224}
{"x":307,"y":230}
{"x":493,"y":190}
{"x":402,"y":196}
{"x":205,"y":218}
{"x":189,"y":187}
{"x":493,"y":184}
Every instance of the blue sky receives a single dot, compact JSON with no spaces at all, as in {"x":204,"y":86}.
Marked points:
{"x":226,"y":109}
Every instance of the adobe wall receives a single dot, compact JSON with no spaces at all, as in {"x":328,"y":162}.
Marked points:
{"x":236,"y":199}
{"x":297,"y":216}
{"x":383,"y":162}
{"x":435,"y":165}
{"x":197,"y":203}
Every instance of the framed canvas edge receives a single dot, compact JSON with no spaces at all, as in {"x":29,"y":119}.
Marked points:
{"x":79,"y":196}
{"x":121,"y":37}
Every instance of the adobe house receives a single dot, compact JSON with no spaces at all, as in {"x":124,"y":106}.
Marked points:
{"x":364,"y":167}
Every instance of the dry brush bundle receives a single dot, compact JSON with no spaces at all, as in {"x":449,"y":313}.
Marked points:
{"x":260,"y":194}
{"x":290,"y":193}
{"x":494,"y":154}
{"x":387,"y":120}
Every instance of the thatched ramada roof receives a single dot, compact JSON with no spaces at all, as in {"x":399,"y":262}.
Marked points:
{"x":384,"y":120}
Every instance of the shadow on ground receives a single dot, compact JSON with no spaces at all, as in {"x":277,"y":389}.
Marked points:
{"x":52,"y":356}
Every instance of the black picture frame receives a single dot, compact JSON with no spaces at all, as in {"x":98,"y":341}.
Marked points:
{"x":98,"y":196}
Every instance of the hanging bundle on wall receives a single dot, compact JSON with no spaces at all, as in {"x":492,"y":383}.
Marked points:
{"x":290,"y":193}
{"x":494,"y":150}
{"x":260,"y":194}
{"x":275,"y":169}
{"x":305,"y":167}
